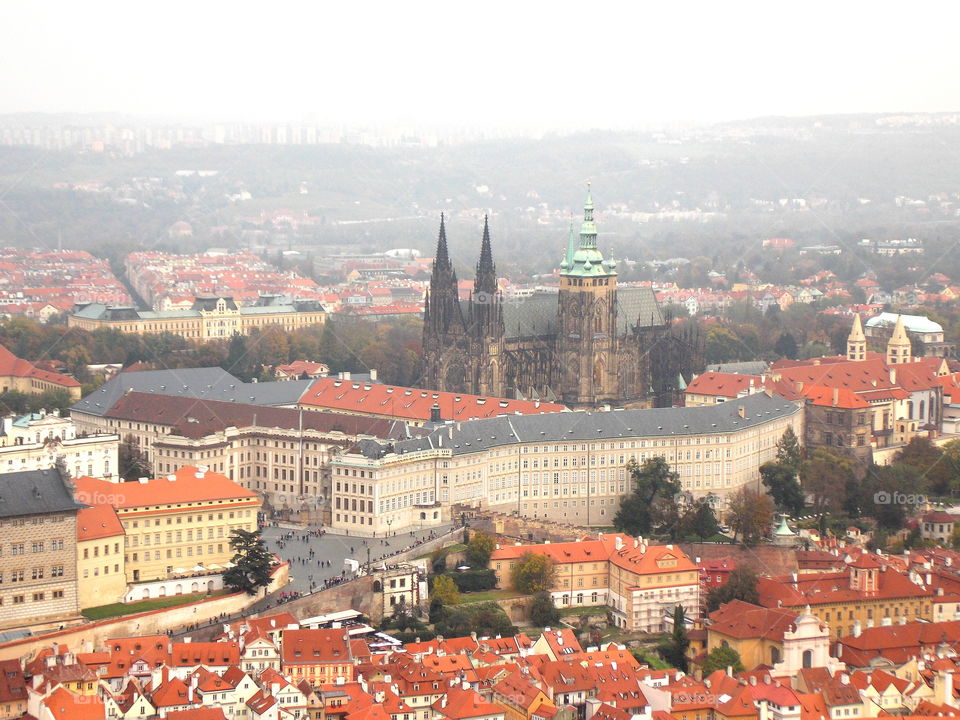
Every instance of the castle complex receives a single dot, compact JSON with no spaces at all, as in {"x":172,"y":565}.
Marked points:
{"x":595,"y":344}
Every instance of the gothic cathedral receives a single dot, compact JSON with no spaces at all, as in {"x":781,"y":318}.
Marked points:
{"x":592,"y":345}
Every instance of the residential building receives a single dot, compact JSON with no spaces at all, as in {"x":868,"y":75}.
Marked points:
{"x":101,"y":550}
{"x":319,"y":656}
{"x":176,"y":524}
{"x":937,"y":526}
{"x":569,"y":467}
{"x":868,"y":593}
{"x":13,"y":690}
{"x":38,"y":549}
{"x":18,"y":375}
{"x":640,"y":582}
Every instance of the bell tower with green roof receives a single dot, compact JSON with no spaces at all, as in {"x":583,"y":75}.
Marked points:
{"x":587,"y":320}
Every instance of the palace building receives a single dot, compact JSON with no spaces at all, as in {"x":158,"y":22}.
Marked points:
{"x":594,"y":344}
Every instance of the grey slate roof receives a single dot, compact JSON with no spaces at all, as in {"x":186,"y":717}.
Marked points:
{"x":537,"y":315}
{"x":35,"y":492}
{"x":202,"y":383}
{"x":749,"y":367}
{"x":477,"y":435}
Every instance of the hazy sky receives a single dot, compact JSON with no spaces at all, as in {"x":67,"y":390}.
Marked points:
{"x":595,"y":63}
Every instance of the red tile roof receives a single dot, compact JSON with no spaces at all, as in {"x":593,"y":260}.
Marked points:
{"x":64,"y":705}
{"x":12,"y":366}
{"x":189,"y":484}
{"x":315,"y":647}
{"x":98,"y":521}
{"x":412,"y":403}
{"x":741,"y":619}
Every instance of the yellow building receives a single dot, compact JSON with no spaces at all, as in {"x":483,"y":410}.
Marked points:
{"x":209,"y":318}
{"x":19,"y":375}
{"x":176,"y":523}
{"x":101,"y":566}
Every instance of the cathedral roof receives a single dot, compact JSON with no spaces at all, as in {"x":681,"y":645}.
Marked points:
{"x":536,"y":315}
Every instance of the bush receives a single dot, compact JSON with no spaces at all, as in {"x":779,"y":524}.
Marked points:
{"x":543,"y":611}
{"x":474,"y":580}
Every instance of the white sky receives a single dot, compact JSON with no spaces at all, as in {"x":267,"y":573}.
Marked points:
{"x":594,"y":63}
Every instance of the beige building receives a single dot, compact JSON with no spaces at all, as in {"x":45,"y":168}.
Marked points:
{"x":567,"y":467}
{"x":640,"y":582}
{"x":176,"y":524}
{"x":19,"y":375}
{"x":38,"y":549}
{"x":209,"y":318}
{"x":101,"y":567}
{"x":38,"y":440}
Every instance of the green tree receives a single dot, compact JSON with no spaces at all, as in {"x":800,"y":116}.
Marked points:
{"x":252,"y":562}
{"x":437,"y":610}
{"x":827,"y":477}
{"x":749,"y":515}
{"x":786,"y":346}
{"x":782,"y":484}
{"x":533,"y":572}
{"x":652,"y":480}
{"x":543,"y":611}
{"x":721,"y":658}
{"x":239,"y":362}
{"x":789,"y":452}
{"x":674,"y":650}
{"x":445,"y":590}
{"x":698,"y":521}
{"x":479,"y":548}
{"x":741,"y":585}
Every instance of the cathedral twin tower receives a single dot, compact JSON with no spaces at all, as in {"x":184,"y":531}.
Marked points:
{"x":588,"y":346}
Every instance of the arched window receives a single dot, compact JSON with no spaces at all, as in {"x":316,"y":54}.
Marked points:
{"x":808,"y":658}
{"x":566,"y":600}
{"x":774,"y":655}
{"x":922,"y":408}
{"x":724,"y":643}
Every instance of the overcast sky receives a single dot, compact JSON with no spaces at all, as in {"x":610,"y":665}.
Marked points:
{"x":592,"y":63}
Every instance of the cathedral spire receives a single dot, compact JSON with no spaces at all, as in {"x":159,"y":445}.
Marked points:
{"x":441,"y":259}
{"x":486,"y":279}
{"x":588,"y":230}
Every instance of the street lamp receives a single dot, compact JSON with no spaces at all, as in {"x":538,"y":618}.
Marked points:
{"x":389,"y":523}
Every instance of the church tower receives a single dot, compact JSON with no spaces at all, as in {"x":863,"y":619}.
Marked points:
{"x":587,"y":342}
{"x":899,"y":349}
{"x":856,"y":341}
{"x":444,"y":331}
{"x":486,"y":322}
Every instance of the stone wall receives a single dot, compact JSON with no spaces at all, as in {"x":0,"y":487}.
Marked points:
{"x":153,"y":622}
{"x":526,"y":530}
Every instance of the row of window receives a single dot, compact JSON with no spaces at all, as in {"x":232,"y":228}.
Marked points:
{"x":36,"y":546}
{"x":36,"y":573}
{"x":36,"y":597}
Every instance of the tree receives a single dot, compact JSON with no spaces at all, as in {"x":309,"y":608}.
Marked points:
{"x":674,"y":650}
{"x":131,"y":459}
{"x":721,"y":658}
{"x":741,"y":585}
{"x":239,"y":362}
{"x":437,"y":610}
{"x":789,"y":452}
{"x":543,"y":611}
{"x":438,"y":561}
{"x":827,"y":477}
{"x":534,"y":572}
{"x":652,"y":480}
{"x":445,"y":590}
{"x":479,"y":548}
{"x":786,"y":345}
{"x":698,"y":521}
{"x":252,"y":562}
{"x":782,"y":484}
{"x":749,"y":515}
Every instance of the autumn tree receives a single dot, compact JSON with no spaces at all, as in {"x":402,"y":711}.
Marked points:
{"x":532,"y":573}
{"x":444,"y":589}
{"x":827,"y":477}
{"x":749,"y":515}
{"x":741,"y":585}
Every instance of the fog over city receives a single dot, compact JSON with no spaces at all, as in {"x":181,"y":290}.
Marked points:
{"x":551,"y":65}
